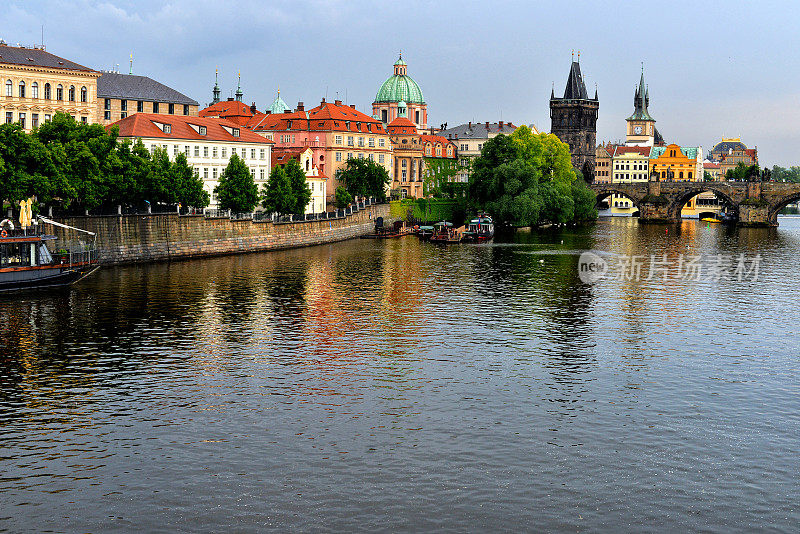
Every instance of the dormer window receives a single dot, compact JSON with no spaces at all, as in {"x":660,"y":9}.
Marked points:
{"x":203,"y":130}
{"x":167,"y":128}
{"x":236,"y":132}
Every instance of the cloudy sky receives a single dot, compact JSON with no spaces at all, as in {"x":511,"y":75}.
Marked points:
{"x":714,"y":68}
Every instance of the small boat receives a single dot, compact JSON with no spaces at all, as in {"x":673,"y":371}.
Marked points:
{"x":397,"y":229}
{"x":26,"y":261}
{"x":424,"y":233}
{"x":479,"y":229}
{"x":443,"y":232}
{"x":711,"y":220}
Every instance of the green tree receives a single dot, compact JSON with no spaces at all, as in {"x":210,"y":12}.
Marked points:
{"x":300,"y":191}
{"x":438,"y":173}
{"x":524,"y":179}
{"x":364,"y":178}
{"x":26,"y":169}
{"x":707,"y":177}
{"x":277,"y":193}
{"x":342,"y":198}
{"x":236,"y":190}
{"x":188,"y":185}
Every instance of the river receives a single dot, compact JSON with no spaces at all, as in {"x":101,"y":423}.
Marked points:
{"x":402,"y":386}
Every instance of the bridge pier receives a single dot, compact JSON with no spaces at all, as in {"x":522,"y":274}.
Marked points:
{"x":756,"y":215}
{"x":655,"y":212}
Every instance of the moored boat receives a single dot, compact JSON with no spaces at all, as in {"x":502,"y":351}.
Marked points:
{"x":424,"y":233}
{"x":479,"y":229}
{"x":443,"y":232}
{"x":27,"y":262}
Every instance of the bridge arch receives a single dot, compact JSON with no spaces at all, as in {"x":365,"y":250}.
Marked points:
{"x":694,"y":189}
{"x":605,"y":192}
{"x":777,"y":206}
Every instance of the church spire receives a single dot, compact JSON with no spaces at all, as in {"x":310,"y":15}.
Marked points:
{"x":239,"y":93}
{"x":215,"y":91}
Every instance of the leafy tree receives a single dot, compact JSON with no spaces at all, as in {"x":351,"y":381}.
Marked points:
{"x":300,"y":191}
{"x":707,"y":177}
{"x":277,"y":193}
{"x":26,"y":169}
{"x":364,"y":178}
{"x":524,"y":179}
{"x":188,"y":185}
{"x":342,"y":198}
{"x":781,"y":174}
{"x":236,"y":190}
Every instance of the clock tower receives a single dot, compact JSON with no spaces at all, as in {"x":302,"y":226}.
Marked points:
{"x":641,"y":129}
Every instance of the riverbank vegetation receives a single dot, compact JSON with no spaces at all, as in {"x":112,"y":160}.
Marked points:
{"x":76,"y":167}
{"x":526,"y":179}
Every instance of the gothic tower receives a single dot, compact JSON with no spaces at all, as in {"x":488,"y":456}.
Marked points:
{"x":573,"y":119}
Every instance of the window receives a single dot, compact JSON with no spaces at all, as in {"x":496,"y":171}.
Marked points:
{"x":262,"y":154}
{"x":202,"y":130}
{"x":360,"y":141}
{"x":224,"y":152}
{"x":233,"y":151}
{"x":72,"y":93}
{"x":9,"y":88}
{"x":175,"y":151}
{"x":236,"y":132}
{"x":261,"y":174}
{"x":380,"y":158}
{"x":371,"y":142}
{"x":34,"y":120}
{"x":253,"y":172}
{"x":252,"y":153}
{"x":155,"y":107}
{"x":21,"y":89}
{"x":205,"y":151}
{"x":107,"y":115}
{"x":59,"y":92}
{"x":171,"y":109}
{"x":244,"y":153}
{"x":84,"y":95}
{"x":205,"y":173}
{"x":35,"y":90}
{"x":123,"y":104}
{"x":139,"y":106}
{"x":381,"y":142}
{"x":214,"y":152}
{"x":47,"y":95}
{"x":350,"y":140}
{"x":349,"y":155}
{"x":338,"y":139}
{"x":186,"y":109}
{"x":107,"y":104}
{"x":338,"y":156}
{"x":46,"y":117}
{"x":123,"y":115}
{"x":22,"y":120}
{"x":186,"y":150}
{"x":167,"y":128}
{"x":196,"y":151}
{"x":214,"y":170}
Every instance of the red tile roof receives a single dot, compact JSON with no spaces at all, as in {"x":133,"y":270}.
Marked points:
{"x":323,"y":118}
{"x":227,"y":108}
{"x":401,"y":125}
{"x":282,"y":156}
{"x":709,"y":165}
{"x":434,"y":139}
{"x":144,"y":125}
{"x":643,"y":150}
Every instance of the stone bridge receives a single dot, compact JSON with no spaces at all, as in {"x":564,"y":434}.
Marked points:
{"x":754,"y":203}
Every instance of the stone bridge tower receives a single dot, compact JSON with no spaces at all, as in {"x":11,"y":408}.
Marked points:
{"x":573,"y":119}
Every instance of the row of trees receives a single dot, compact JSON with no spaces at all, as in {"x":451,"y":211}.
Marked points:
{"x":526,"y":179}
{"x":77,"y":167}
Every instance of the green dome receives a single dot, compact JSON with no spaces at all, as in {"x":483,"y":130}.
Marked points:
{"x":400,"y":87}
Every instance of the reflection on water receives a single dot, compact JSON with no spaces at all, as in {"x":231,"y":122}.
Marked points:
{"x":402,"y":386}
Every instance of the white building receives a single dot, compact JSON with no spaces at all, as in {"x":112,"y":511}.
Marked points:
{"x":316,"y":180}
{"x":207,"y":143}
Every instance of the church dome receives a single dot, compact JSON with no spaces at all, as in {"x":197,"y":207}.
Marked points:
{"x":400,"y":87}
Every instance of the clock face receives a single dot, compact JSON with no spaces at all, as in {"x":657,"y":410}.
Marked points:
{"x":637,"y":130}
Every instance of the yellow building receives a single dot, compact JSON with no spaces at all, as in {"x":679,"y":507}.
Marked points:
{"x":674,"y":163}
{"x":36,"y":84}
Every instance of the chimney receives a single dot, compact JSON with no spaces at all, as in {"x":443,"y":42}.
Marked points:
{"x":323,"y":101}
{"x":253,"y":109}
{"x":230,"y":99}
{"x":353,"y":106}
{"x":487,"y":125}
{"x":501,"y":125}
{"x":337,"y":102}
{"x":301,"y":106}
{"x":469,"y":125}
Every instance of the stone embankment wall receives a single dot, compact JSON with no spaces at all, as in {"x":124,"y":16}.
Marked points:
{"x":160,"y":237}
